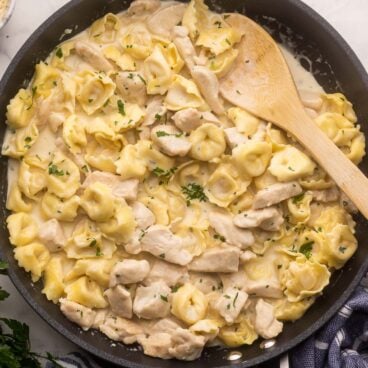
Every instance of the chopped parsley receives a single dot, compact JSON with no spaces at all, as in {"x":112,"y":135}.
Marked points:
{"x":54,"y":170}
{"x":59,"y":53}
{"x":291,"y":169}
{"x":228,"y":42}
{"x":141,"y":78}
{"x":236,"y":297}
{"x":164,"y":175}
{"x":142,"y":234}
{"x":161,"y":133}
{"x":85,"y":168}
{"x":307,"y":248}
{"x":194,"y":191}
{"x":162,"y":255}
{"x":33,"y":93}
{"x":98,"y":252}
{"x":164,"y":298}
{"x":121,"y":107}
{"x":175,"y":288}
{"x":298,"y":198}
{"x":219,"y":237}
{"x":342,"y":249}
{"x":93,"y":243}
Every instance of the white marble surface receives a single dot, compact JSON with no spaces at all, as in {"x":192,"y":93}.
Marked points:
{"x":347,"y":16}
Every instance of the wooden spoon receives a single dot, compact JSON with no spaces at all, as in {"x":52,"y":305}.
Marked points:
{"x":261,"y":83}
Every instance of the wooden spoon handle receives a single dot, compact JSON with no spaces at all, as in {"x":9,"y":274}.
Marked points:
{"x":346,"y":175}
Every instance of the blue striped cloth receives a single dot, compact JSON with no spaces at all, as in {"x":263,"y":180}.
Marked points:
{"x":341,"y":343}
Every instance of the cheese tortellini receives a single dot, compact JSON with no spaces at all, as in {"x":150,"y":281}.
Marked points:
{"x":156,"y":211}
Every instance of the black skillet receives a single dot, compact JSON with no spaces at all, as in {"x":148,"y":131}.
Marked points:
{"x":336,"y":68}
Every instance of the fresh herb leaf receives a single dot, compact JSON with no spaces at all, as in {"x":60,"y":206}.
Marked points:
{"x":98,"y":252}
{"x":121,"y":107}
{"x":307,"y":248}
{"x":54,"y":170}
{"x":175,"y":288}
{"x":161,"y":133}
{"x":93,"y":243}
{"x":164,"y":175}
{"x":164,"y":298}
{"x":298,"y":198}
{"x":194,"y":191}
{"x":59,"y":53}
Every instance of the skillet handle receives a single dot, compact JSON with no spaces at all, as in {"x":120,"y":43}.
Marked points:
{"x":284,"y":361}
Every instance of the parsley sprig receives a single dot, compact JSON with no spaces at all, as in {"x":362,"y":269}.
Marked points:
{"x":164,"y":175}
{"x":194,"y":191}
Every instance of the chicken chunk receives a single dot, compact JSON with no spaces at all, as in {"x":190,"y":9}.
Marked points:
{"x":140,"y":7}
{"x":152,"y":301}
{"x":163,"y":21}
{"x":121,"y":329}
{"x":170,"y":140}
{"x":77,"y":313}
{"x":126,"y":189}
{"x":168,"y":273}
{"x":276,"y":193}
{"x":207,"y":283}
{"x":143,"y":216}
{"x":52,"y":235}
{"x":186,"y":345}
{"x":155,"y":111}
{"x":132,"y":87}
{"x":223,"y":225}
{"x":230,"y":304}
{"x":247,"y":256}
{"x":180,"y":343}
{"x":184,"y":45}
{"x":190,"y":119}
{"x":157,"y":345}
{"x":168,"y":325}
{"x":93,"y":56}
{"x":328,"y":195}
{"x":208,"y":84}
{"x":219,"y":259}
{"x":234,"y":138}
{"x":161,"y":242}
{"x":120,"y":301}
{"x":265,"y":288}
{"x":266,"y":324}
{"x":268,"y":219}
{"x":100,"y":317}
{"x":129,"y":271}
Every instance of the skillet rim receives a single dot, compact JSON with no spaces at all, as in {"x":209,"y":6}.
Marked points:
{"x":344,"y":48}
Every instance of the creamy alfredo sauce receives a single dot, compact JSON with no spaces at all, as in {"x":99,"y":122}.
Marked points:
{"x":180,"y":333}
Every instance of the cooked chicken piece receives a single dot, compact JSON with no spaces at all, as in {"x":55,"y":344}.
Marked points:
{"x":120,"y":301}
{"x":121,"y":329}
{"x":207,"y":328}
{"x":139,"y":7}
{"x":207,"y":283}
{"x":152,"y":301}
{"x":157,"y":345}
{"x":132,"y":87}
{"x":163,"y":21}
{"x":93,"y":56}
{"x":219,"y":259}
{"x":190,"y":119}
{"x":208,"y":84}
{"x":100,"y":317}
{"x":269,"y":219}
{"x":247,"y":256}
{"x":234,"y":138}
{"x":328,"y":195}
{"x":143,"y":216}
{"x":170,"y":140}
{"x":126,"y":189}
{"x":184,"y":45}
{"x":161,"y":242}
{"x":261,"y":288}
{"x":77,"y":313}
{"x":347,"y":204}
{"x":168,"y":325}
{"x":311,"y":100}
{"x":52,"y":235}
{"x":155,"y":112}
{"x":223,"y":225}
{"x":186,"y":345}
{"x":266,"y":323}
{"x":276,"y":193}
{"x":129,"y":271}
{"x":260,"y":134}
{"x":168,"y":273}
{"x":230,"y":304}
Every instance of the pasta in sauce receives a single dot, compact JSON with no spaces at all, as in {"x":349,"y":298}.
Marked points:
{"x":155,"y":211}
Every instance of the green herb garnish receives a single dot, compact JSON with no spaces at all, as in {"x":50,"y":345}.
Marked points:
{"x":194,"y":191}
{"x":164,"y":175}
{"x":54,"y":170}
{"x":121,"y":107}
{"x":59,"y":53}
{"x":298,"y":198}
{"x":306,"y":249}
